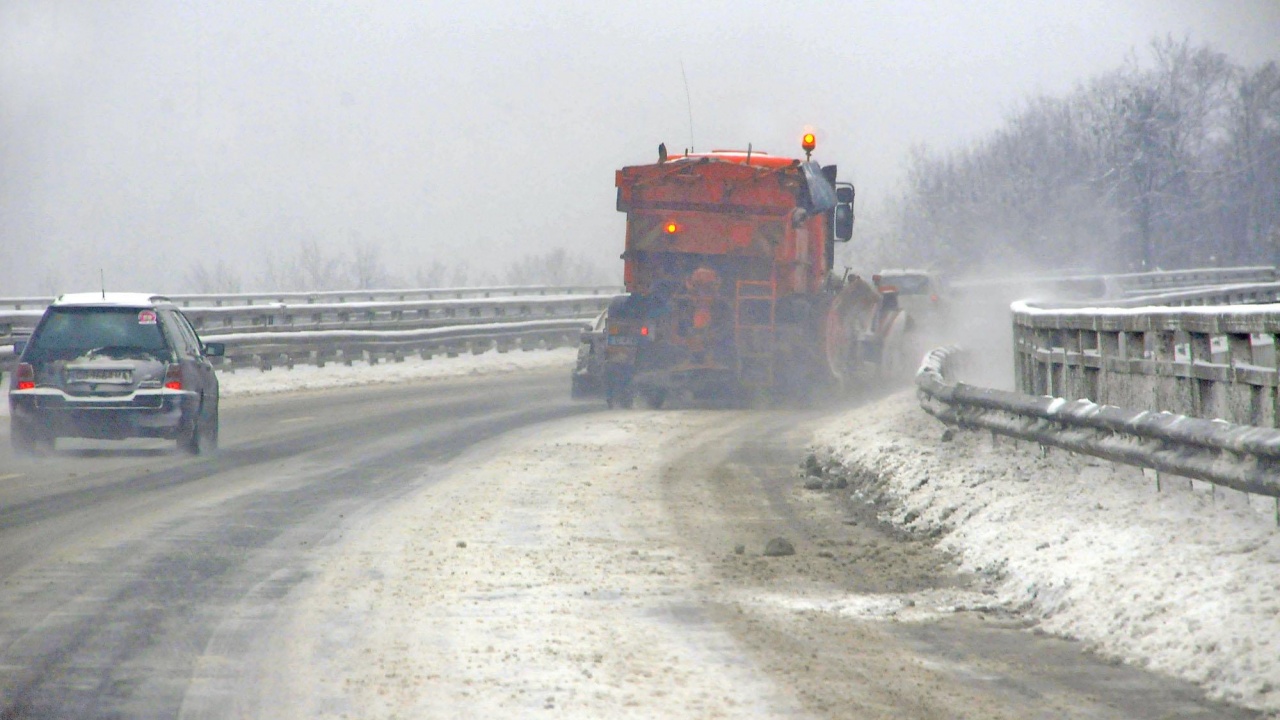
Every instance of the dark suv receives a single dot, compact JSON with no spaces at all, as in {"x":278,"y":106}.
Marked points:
{"x":114,"y":366}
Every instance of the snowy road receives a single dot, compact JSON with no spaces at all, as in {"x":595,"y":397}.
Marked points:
{"x":480,"y":547}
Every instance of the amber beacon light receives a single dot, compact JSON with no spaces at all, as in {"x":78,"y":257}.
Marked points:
{"x":808,"y":143}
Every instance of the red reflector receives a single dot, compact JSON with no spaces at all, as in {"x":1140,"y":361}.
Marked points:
{"x":644,"y":331}
{"x":933,"y":298}
{"x":26,"y":376}
{"x":173,"y":377}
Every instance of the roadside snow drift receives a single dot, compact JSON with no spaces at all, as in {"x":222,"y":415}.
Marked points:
{"x":1183,"y":580}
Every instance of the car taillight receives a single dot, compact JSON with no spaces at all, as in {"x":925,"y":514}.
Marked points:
{"x":644,"y":331}
{"x":26,"y":376}
{"x":173,"y":377}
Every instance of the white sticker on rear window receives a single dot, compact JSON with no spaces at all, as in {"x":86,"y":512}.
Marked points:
{"x":147,"y":317}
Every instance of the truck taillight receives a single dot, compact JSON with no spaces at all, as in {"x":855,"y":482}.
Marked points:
{"x":173,"y":377}
{"x":644,"y":331}
{"x":25,"y":376}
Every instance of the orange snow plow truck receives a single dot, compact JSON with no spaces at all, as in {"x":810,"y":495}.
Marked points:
{"x":730,"y":289}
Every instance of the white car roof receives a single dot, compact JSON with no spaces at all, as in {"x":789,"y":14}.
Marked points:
{"x":111,"y":299}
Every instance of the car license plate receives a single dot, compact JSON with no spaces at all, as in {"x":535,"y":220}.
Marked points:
{"x":100,"y":376}
{"x":623,"y":340}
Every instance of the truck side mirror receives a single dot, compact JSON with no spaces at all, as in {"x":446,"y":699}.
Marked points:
{"x":843,"y":220}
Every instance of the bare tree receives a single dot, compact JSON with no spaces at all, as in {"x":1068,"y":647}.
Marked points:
{"x":432,"y":276}
{"x":554,"y":267}
{"x":367,"y":269}
{"x":1163,"y":165}
{"x":220,"y":279}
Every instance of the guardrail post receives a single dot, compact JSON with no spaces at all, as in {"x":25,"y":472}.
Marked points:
{"x":1247,"y":397}
{"x":1073,"y":384}
{"x":1020,"y":375}
{"x":1209,"y":395}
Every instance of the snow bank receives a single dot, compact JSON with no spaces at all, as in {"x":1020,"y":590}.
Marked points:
{"x":1182,"y":581}
{"x":304,"y":377}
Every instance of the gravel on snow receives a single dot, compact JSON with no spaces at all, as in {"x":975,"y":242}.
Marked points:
{"x":544,"y":577}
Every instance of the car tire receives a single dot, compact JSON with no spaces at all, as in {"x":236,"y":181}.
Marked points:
{"x":26,"y":440}
{"x":200,"y":435}
{"x":209,"y":432}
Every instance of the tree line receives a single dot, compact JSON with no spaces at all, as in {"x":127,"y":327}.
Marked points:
{"x":310,"y":267}
{"x":1169,"y":163}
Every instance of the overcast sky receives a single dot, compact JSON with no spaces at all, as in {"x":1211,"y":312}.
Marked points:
{"x":138,"y":136}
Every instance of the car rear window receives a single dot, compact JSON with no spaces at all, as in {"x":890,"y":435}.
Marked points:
{"x":70,"y":332}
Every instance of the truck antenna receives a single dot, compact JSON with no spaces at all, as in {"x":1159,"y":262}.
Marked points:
{"x":102,"y":280}
{"x":688,"y":102}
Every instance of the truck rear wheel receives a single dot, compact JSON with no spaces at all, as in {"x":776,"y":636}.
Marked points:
{"x":617,"y":386}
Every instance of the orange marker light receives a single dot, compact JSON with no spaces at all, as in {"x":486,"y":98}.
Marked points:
{"x":672,"y":228}
{"x":808,"y":142}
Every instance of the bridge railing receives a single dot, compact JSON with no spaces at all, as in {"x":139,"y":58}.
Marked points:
{"x":1210,"y":362}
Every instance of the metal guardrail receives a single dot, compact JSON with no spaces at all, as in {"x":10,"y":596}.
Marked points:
{"x":266,"y":335}
{"x":1120,"y":285}
{"x":363,"y":315}
{"x":347,"y":296}
{"x":1240,"y":457}
{"x":1237,"y":294}
{"x":266,"y":350}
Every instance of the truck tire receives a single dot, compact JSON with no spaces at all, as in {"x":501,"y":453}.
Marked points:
{"x":654,"y":398}
{"x":617,"y":387}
